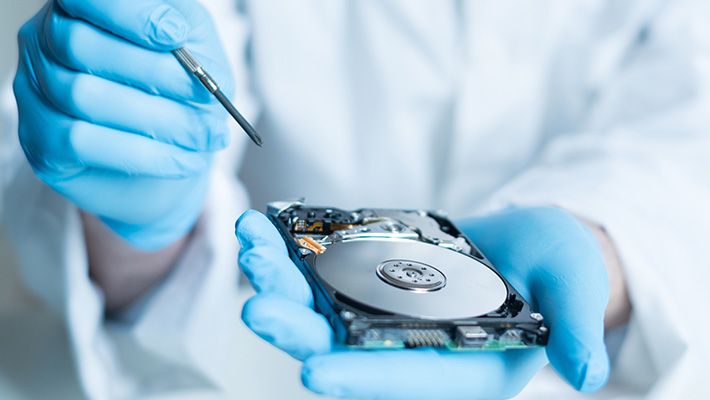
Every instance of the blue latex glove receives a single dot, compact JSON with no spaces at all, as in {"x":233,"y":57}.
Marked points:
{"x":111,"y":120}
{"x":544,"y":252}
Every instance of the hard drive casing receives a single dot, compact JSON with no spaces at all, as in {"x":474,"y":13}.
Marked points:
{"x":513,"y":324}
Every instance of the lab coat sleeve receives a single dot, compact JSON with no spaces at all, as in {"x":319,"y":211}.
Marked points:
{"x":640,"y":167}
{"x":172,"y":336}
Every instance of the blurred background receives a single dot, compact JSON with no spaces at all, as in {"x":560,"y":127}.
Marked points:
{"x":13,"y":13}
{"x":259,"y":369}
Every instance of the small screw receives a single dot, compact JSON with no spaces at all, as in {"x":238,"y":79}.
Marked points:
{"x":536,"y":316}
{"x":348,"y":315}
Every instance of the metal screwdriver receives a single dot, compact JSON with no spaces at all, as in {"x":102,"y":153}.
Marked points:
{"x":195,"y":68}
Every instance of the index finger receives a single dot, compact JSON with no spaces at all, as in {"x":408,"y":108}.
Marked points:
{"x":155,"y":24}
{"x":74,"y":43}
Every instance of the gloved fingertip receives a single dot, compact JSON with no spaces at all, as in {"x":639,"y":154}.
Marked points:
{"x":222,"y":141}
{"x":317,"y":377}
{"x":166,"y":26}
{"x":216,"y":137}
{"x":290,"y":326}
{"x":255,"y":230}
{"x":594,"y":374}
{"x":251,"y":314}
{"x":579,"y":358}
{"x":213,"y":142}
{"x":241,"y":227}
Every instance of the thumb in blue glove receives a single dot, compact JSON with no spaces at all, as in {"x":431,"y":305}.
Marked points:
{"x":556,"y":262}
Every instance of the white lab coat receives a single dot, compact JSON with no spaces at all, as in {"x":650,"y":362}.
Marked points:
{"x":601,"y":107}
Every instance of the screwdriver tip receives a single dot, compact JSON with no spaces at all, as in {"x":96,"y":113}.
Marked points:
{"x":194,"y":67}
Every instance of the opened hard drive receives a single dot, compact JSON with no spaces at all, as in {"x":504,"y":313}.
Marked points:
{"x":388,"y":278}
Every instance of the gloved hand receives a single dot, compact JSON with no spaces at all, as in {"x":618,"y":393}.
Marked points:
{"x":544,"y":252}
{"x":111,"y":120}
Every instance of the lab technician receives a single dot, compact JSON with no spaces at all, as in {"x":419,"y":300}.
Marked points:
{"x":570,"y":139}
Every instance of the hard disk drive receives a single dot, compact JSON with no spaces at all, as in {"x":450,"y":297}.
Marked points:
{"x":388,"y":278}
